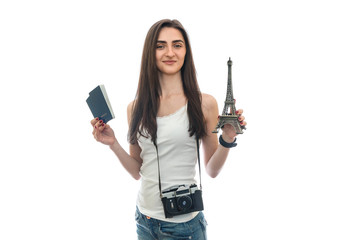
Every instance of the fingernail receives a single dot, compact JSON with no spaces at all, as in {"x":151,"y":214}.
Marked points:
{"x":97,"y":118}
{"x":101,"y":121}
{"x":102,"y":125}
{"x":95,"y":126}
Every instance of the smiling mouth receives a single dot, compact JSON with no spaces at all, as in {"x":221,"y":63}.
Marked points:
{"x":169,"y":62}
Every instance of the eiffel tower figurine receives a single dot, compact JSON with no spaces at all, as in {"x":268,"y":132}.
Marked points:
{"x":229,"y":115}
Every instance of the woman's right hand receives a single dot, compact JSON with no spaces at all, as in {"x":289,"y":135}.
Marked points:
{"x":102,"y":132}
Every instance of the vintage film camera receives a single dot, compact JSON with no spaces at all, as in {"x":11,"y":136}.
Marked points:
{"x":182,"y":199}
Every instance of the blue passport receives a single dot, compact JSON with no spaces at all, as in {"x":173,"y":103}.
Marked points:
{"x":99,"y":104}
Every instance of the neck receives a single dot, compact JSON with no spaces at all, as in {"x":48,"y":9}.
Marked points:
{"x":171,"y":84}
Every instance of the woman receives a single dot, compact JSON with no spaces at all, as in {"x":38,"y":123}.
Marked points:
{"x":167,"y":115}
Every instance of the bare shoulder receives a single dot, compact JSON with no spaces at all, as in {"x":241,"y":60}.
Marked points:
{"x":208,"y":102}
{"x":211,"y":113}
{"x":209,"y":107}
{"x":129,"y":110}
{"x":130,"y":105}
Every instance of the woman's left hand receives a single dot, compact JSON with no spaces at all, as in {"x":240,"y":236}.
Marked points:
{"x":228,"y":131}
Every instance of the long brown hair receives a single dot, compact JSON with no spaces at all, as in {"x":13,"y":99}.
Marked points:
{"x":147,"y":100}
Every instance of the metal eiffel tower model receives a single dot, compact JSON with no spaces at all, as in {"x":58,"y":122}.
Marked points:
{"x":229,"y":115}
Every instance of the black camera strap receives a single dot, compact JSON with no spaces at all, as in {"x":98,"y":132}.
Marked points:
{"x":198,"y":157}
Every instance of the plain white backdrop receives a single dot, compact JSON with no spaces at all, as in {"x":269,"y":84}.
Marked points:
{"x":295,"y":173}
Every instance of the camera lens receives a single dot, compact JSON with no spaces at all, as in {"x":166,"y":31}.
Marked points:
{"x":184,"y":203}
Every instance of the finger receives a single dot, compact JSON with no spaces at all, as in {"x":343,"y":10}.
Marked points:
{"x":241,"y":118}
{"x":239,"y":111}
{"x":96,"y":133}
{"x":94,"y":121}
{"x":101,"y":126}
{"x":96,"y":130}
{"x":243,"y":123}
{"x":98,"y":124}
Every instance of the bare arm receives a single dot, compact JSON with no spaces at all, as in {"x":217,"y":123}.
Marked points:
{"x":104,"y":134}
{"x":215,"y":154}
{"x":129,"y":163}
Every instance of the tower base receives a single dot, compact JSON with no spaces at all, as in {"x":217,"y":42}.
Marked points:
{"x":229,"y":119}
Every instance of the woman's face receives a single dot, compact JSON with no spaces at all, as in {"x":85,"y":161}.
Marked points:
{"x":170,"y":51}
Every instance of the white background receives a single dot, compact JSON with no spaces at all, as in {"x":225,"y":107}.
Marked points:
{"x":295,"y":173}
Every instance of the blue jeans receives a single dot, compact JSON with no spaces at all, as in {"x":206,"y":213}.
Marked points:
{"x":153,"y":229}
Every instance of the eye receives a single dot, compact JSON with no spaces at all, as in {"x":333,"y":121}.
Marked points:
{"x":178,"y":45}
{"x":160,"y":46}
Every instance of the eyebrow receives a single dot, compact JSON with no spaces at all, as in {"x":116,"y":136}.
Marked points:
{"x":175,"y":41}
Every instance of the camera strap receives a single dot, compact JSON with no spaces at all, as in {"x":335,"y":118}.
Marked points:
{"x":158,"y":161}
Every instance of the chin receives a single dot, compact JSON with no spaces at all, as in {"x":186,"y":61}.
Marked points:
{"x":169,"y":72}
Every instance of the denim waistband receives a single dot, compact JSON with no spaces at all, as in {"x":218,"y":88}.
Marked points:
{"x":151,"y":228}
{"x":154,"y":220}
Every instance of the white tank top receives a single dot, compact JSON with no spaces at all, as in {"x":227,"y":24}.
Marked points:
{"x":178,"y":158}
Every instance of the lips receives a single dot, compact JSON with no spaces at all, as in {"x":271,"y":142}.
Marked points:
{"x":169,"y":62}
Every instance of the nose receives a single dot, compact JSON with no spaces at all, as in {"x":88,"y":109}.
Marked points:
{"x":170,"y":52}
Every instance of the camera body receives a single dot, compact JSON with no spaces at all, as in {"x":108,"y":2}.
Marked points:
{"x":182,"y":199}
